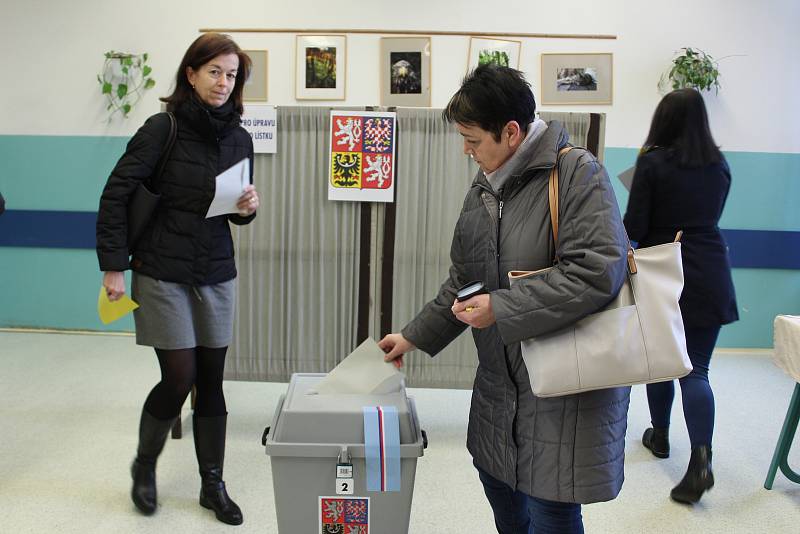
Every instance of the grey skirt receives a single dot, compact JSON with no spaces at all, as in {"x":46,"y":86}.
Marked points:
{"x":179,"y":316}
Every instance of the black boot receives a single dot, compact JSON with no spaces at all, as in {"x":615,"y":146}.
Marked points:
{"x":209,"y":444}
{"x":698,"y":478}
{"x":152,"y":436}
{"x":657,"y":440}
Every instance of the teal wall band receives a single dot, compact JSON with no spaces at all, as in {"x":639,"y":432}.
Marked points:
{"x":58,"y":287}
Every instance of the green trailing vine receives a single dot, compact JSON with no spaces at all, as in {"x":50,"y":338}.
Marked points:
{"x":123,"y":81}
{"x":693,"y":68}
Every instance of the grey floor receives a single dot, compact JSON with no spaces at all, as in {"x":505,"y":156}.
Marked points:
{"x":69,"y":406}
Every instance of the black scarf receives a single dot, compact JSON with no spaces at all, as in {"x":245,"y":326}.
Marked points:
{"x":215,"y":121}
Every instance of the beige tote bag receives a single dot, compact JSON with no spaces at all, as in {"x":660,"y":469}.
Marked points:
{"x":637,"y":339}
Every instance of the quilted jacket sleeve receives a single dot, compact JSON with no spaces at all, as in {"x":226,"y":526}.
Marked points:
{"x":435,"y":326}
{"x":235,"y":218}
{"x":136,"y":164}
{"x":592,"y":259}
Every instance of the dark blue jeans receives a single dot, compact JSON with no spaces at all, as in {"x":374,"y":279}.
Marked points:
{"x":696,"y":393}
{"x":518,"y":513}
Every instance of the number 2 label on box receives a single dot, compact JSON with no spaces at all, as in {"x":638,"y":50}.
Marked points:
{"x":344,"y":486}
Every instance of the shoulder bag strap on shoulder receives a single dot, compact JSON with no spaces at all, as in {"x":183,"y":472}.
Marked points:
{"x":552,"y":193}
{"x":165,"y":153}
{"x":553,"y":200}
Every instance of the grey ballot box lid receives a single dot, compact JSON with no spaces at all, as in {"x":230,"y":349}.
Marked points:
{"x":305,"y":418}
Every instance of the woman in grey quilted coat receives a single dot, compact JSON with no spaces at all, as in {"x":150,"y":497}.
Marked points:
{"x":539,"y":459}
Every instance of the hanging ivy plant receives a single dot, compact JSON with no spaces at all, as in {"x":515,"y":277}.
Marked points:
{"x":123,"y":81}
{"x":693,"y":68}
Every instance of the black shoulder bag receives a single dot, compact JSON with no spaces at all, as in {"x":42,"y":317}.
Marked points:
{"x":143,"y":202}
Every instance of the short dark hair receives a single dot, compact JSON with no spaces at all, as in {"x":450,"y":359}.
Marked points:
{"x":680,"y":123}
{"x":490,"y":97}
{"x":201,"y":51}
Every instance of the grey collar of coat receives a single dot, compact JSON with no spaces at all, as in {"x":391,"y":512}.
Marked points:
{"x":520,"y":158}
{"x":544,"y":157}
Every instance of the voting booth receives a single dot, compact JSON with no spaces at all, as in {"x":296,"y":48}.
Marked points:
{"x":343,"y":461}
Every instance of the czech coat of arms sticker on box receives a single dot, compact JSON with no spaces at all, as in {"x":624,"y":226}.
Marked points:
{"x":362,"y":157}
{"x":344,"y":515}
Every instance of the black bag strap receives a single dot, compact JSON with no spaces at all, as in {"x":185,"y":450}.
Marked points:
{"x":164,"y":157}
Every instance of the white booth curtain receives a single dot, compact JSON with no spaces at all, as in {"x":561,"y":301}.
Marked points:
{"x":298,"y":261}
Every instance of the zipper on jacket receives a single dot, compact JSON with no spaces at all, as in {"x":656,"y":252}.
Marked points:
{"x":197,"y":293}
{"x":499,"y":219}
{"x":499,"y":197}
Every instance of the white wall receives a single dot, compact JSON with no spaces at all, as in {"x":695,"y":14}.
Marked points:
{"x":53,"y":51}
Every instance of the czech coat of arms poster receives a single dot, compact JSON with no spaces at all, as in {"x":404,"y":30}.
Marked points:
{"x":362,"y":156}
{"x":344,"y":515}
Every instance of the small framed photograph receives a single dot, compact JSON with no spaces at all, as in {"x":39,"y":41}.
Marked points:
{"x":406,"y":71}
{"x":320,"y":67}
{"x":577,"y":79}
{"x":255,"y":88}
{"x":495,"y":51}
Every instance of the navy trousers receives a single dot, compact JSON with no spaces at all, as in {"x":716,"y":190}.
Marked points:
{"x":518,"y":513}
{"x":696,"y":393}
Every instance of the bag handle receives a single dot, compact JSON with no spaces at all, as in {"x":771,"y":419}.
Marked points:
{"x":164,"y":157}
{"x":552,"y":194}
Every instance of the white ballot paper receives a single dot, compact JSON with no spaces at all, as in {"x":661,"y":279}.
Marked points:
{"x":626,"y":177}
{"x":230,"y":185}
{"x":362,"y":372}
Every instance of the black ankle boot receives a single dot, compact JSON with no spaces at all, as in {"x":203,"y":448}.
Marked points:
{"x":657,"y":440}
{"x":209,"y":444}
{"x":152,"y":436}
{"x":698,"y":479}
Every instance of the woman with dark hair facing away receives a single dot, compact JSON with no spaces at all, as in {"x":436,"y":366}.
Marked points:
{"x":184,"y":274}
{"x":681,"y":183}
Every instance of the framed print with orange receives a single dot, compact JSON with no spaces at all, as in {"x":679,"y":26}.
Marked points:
{"x":320,"y":67}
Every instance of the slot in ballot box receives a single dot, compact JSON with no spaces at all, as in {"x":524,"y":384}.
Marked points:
{"x":319,"y":461}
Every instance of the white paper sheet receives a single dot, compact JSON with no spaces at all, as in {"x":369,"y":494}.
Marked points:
{"x":230,"y":185}
{"x":362,"y":372}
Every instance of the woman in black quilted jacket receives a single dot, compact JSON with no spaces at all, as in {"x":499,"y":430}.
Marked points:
{"x":184,"y":274}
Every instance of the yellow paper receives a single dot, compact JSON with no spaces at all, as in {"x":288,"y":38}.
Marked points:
{"x":111,"y":311}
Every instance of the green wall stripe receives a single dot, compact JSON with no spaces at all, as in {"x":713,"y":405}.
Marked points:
{"x":764,"y":189}
{"x":52,"y":288}
{"x":43,"y":172}
{"x":56,"y":288}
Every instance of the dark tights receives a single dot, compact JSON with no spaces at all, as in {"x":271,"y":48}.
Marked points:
{"x":180,"y":370}
{"x":698,"y":399}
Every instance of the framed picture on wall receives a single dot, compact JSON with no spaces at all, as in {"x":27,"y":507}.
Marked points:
{"x":496,"y":51}
{"x":255,"y":88}
{"x":406,"y":71}
{"x":577,"y":79}
{"x":320,"y":67}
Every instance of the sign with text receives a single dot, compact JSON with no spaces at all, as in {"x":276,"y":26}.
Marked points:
{"x":261,"y":122}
